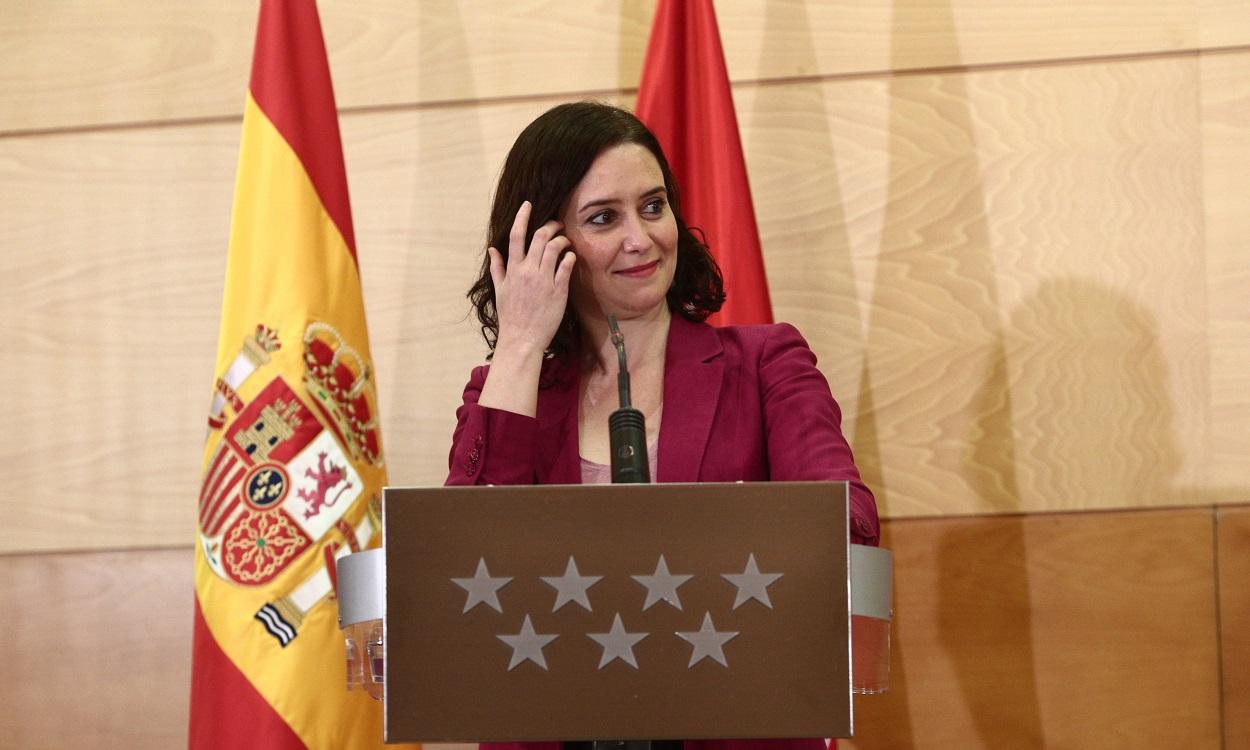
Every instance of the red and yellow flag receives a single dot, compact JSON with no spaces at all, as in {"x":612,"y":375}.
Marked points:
{"x":684,"y":98}
{"x":293,"y":464}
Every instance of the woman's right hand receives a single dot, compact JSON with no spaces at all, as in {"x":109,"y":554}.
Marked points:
{"x":532,"y":287}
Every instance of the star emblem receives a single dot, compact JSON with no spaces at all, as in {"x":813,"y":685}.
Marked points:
{"x":527,"y":645}
{"x":482,"y":588}
{"x":617,"y":644}
{"x":752,"y":584}
{"x":662,"y":585}
{"x":571,"y":587}
{"x":707,"y":642}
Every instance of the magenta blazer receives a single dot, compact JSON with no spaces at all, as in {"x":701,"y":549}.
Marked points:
{"x":740,"y":403}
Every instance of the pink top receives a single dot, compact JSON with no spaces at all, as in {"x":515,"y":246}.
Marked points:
{"x":593,"y":473}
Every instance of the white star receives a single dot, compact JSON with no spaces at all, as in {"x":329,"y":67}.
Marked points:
{"x":482,"y":588}
{"x":662,"y":585}
{"x":571,"y":587}
{"x":708,"y":642}
{"x":752,"y":584}
{"x":527,"y":645}
{"x":617,"y":644}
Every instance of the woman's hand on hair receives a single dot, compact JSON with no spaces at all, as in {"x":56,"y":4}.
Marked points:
{"x":532,"y":286}
{"x":531,"y":291}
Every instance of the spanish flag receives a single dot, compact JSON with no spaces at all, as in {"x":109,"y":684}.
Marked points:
{"x":293,"y":462}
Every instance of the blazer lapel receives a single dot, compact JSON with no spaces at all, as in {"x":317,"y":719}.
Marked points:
{"x":558,"y":461}
{"x":693,"y":371}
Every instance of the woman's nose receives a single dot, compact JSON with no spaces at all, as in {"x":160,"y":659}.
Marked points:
{"x":637,"y":239}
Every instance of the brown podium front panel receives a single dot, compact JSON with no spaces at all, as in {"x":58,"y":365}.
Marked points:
{"x":661,"y":611}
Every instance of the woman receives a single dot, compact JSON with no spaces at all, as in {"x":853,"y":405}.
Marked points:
{"x":586,"y":222}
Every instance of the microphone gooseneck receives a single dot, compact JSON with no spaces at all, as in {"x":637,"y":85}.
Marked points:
{"x":627,"y":428}
{"x":622,"y":374}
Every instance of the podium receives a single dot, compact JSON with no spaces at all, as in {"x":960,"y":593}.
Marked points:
{"x":539,"y":613}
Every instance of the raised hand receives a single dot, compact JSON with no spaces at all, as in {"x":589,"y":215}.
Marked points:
{"x":531,"y":292}
{"x":532,"y":286}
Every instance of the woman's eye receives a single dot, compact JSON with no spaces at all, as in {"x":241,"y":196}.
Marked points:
{"x":654,"y":207}
{"x":603,"y":217}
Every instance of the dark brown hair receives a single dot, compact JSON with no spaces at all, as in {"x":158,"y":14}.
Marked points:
{"x":548,"y":160}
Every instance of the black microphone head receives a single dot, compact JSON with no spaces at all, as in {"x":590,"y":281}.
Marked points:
{"x":627,"y":434}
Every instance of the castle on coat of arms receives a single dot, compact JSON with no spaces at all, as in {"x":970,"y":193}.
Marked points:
{"x":276,"y":422}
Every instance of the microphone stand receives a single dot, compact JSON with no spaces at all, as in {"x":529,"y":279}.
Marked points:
{"x":627,"y":436}
{"x":627,"y":428}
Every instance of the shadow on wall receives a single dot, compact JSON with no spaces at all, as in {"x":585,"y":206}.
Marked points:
{"x":936,"y":357}
{"x":1091,"y":388}
{"x":1094,"y":418}
{"x":635,"y":31}
{"x":449,"y":207}
{"x":1091,"y":401}
{"x":984,"y":609}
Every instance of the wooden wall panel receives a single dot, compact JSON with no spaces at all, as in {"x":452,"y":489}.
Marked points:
{"x":110,"y":291}
{"x":1064,"y":630}
{"x":1224,"y":23}
{"x":1226,"y":185}
{"x":1020,"y":245}
{"x":70,"y":64}
{"x":81,"y":64}
{"x":1233,"y":545}
{"x":96,"y":649}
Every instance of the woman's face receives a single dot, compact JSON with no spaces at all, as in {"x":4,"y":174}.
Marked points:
{"x":624,"y":234}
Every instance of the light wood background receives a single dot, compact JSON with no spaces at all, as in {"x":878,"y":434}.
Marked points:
{"x":1015,"y":234}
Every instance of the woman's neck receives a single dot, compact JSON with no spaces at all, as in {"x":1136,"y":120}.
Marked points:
{"x":645,"y":337}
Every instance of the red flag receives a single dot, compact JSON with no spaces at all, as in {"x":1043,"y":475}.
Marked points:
{"x":685,"y":99}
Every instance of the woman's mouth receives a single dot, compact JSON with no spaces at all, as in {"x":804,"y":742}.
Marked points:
{"x":639,"y":272}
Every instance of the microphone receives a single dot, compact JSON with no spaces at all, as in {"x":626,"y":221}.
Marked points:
{"x":627,"y":429}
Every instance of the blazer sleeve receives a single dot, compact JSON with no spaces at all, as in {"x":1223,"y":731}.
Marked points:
{"x":803,"y":427}
{"x":490,"y":446}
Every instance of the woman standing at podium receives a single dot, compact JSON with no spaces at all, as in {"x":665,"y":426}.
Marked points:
{"x":587,"y":222}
